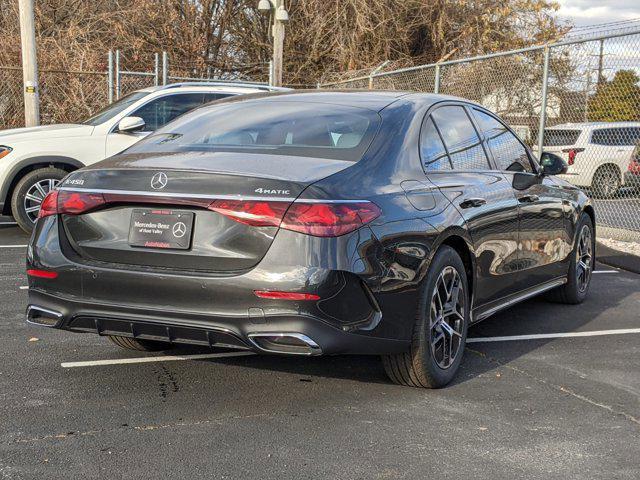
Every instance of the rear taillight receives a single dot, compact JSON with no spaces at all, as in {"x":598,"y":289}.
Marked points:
{"x":69,"y":203}
{"x":256,"y":214}
{"x":328,"y":219}
{"x":634,"y":166}
{"x":320,"y":219}
{"x":573,"y":152}
{"x":49,"y":205}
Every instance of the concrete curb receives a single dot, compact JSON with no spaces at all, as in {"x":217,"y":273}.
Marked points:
{"x":616,"y":258}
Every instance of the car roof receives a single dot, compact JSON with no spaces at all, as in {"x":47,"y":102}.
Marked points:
{"x":371,"y":99}
{"x":215,"y":86}
{"x":590,"y":125}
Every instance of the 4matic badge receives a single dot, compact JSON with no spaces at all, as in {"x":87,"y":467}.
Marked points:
{"x":270,"y":191}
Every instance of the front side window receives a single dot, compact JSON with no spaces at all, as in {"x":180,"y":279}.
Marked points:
{"x":460,"y":137}
{"x":507,"y":150}
{"x":162,"y":110}
{"x":272,"y":127}
{"x":434,"y":156}
{"x":616,"y":137}
{"x":115,"y":108}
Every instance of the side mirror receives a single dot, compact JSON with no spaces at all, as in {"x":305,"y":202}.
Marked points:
{"x":552,"y":164}
{"x":130,"y":124}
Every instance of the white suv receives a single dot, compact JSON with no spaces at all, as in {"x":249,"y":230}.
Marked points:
{"x":34,"y":160}
{"x":598,"y":154}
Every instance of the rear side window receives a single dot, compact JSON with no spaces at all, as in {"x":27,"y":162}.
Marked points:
{"x":160,"y":111}
{"x":434,"y":156}
{"x":271,"y":127}
{"x":460,"y":138}
{"x":619,"y":137}
{"x":507,"y":150}
{"x":212,"y":97}
{"x":560,"y":138}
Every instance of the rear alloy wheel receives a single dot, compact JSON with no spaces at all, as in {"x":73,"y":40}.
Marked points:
{"x":606,"y":182}
{"x":140,"y":345}
{"x":581,"y":265}
{"x":30,"y":192}
{"x":440,"y":331}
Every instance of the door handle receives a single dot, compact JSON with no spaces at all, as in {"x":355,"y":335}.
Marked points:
{"x":472,"y":202}
{"x":528,"y":198}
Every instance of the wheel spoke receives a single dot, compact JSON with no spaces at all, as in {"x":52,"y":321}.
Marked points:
{"x":32,"y":209}
{"x":33,"y":198}
{"x":41,"y":189}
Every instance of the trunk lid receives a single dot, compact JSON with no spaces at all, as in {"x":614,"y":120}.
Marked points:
{"x":178,"y":188}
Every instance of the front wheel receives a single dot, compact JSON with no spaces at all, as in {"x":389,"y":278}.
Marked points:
{"x":440,"y":330}
{"x":30,"y":192}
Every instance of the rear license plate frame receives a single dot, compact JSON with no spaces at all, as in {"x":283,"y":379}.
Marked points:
{"x":161,"y":229}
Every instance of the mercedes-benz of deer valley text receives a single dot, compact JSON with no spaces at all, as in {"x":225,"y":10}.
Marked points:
{"x":312,"y":223}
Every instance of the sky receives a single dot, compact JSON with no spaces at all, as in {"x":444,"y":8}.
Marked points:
{"x":589,"y":12}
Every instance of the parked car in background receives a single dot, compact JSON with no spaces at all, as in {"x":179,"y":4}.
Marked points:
{"x":632,"y":175}
{"x":313,"y":223}
{"x":598,"y":154}
{"x":34,"y":160}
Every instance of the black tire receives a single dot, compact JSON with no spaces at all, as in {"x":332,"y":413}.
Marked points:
{"x":419,"y":367}
{"x":140,"y":345}
{"x":606,"y":181}
{"x":26,"y":220}
{"x":573,"y":292}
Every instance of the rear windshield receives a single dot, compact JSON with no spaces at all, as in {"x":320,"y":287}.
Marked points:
{"x":555,"y":138}
{"x":273,"y":127}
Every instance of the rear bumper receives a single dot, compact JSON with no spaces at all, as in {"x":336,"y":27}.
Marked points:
{"x":245,"y":332}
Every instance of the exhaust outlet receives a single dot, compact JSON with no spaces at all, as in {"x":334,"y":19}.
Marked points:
{"x":43,"y":316}
{"x":285,"y":343}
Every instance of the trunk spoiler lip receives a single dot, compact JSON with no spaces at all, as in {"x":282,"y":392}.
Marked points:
{"x":196,"y":196}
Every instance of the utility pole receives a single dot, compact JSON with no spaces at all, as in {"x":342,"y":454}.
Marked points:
{"x":29,"y":64}
{"x":280,"y":16}
{"x":601,"y":61}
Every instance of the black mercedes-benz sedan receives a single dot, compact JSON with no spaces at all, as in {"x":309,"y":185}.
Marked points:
{"x":312,"y":223}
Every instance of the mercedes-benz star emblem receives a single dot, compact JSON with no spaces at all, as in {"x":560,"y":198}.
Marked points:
{"x":179,"y":229}
{"x":159,"y":181}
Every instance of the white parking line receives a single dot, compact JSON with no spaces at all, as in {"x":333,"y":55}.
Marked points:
{"x":8,"y":223}
{"x":13,"y":246}
{"x":24,"y":287}
{"x":606,"y":271}
{"x":541,"y":336}
{"x":168,"y":358}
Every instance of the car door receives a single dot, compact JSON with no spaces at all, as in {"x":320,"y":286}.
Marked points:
{"x":156,"y":113}
{"x":542,"y":241}
{"x":455,"y":160}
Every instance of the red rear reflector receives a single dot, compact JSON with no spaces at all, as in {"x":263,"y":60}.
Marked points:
{"x":286,"y":295}
{"x":42,"y":273}
{"x":49,"y":205}
{"x":256,"y":214}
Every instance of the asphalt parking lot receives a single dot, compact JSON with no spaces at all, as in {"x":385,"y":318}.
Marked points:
{"x":532,"y":405}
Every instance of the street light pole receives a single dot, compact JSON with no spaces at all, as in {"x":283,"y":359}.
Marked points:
{"x":29,"y":64}
{"x":280,"y":16}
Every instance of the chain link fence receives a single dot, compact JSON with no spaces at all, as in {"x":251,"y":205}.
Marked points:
{"x":579,"y":99}
{"x":69,"y":96}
